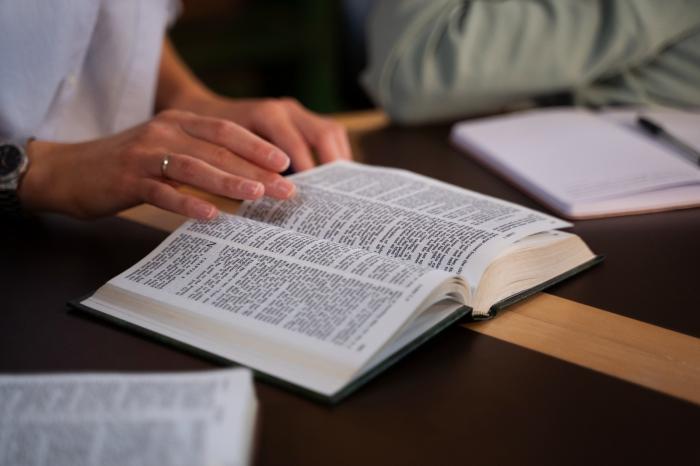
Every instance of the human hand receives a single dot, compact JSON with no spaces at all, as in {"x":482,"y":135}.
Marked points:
{"x":104,"y":176}
{"x":284,"y":122}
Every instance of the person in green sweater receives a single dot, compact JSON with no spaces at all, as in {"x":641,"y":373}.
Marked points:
{"x":441,"y":59}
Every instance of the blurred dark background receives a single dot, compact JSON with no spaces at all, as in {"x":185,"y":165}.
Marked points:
{"x":312,"y":50}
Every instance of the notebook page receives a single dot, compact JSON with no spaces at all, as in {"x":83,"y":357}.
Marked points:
{"x":681,"y":124}
{"x":569,"y":157}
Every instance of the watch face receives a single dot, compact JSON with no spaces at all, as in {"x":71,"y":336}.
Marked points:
{"x":10,"y":159}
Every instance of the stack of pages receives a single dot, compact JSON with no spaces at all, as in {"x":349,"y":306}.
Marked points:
{"x":183,"y":419}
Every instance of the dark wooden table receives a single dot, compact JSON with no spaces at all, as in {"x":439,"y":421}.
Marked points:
{"x":464,"y":398}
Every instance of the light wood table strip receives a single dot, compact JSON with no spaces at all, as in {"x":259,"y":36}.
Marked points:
{"x":637,"y":352}
{"x":644,"y":354}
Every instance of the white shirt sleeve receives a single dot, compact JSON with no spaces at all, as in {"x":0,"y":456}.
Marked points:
{"x":79,"y":69}
{"x":41,"y":42}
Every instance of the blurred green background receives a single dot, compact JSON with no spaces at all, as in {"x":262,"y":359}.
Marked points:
{"x":307,"y":49}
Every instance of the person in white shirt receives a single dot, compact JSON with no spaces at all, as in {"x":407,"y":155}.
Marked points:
{"x":117,"y":119}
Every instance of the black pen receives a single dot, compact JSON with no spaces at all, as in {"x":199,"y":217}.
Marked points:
{"x":659,"y":132}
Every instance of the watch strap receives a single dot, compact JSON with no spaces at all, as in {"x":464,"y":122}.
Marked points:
{"x":10,"y":204}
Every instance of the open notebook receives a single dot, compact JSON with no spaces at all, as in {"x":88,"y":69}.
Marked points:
{"x":586,"y":165}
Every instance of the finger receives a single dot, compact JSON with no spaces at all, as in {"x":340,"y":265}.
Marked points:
{"x":328,"y":148}
{"x":166,"y":197}
{"x":337,"y":132}
{"x":200,"y":174}
{"x":280,"y":129}
{"x":172,"y":183}
{"x":275,"y":185}
{"x":236,"y":139}
{"x":344,"y":142}
{"x":316,"y":130}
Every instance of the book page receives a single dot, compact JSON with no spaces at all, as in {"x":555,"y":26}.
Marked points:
{"x":303,"y":293}
{"x":203,"y":418}
{"x":402,"y":215}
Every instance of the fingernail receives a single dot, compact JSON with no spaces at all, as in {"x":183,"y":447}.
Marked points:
{"x":282,"y":188}
{"x":204,"y":211}
{"x":251,"y":188}
{"x":278,"y":160}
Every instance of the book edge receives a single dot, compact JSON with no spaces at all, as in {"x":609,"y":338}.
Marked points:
{"x":417,"y":342}
{"x":332,"y":399}
{"x":186,"y":347}
{"x":521,"y":295}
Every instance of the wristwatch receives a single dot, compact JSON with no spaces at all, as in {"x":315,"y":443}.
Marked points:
{"x":13,"y":164}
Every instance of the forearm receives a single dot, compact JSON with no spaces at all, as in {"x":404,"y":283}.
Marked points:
{"x":178,"y":87}
{"x":446,"y":58}
{"x":41,"y":179}
{"x":61,"y":178}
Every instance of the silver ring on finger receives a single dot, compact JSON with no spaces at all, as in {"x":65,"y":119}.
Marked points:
{"x":164,"y":165}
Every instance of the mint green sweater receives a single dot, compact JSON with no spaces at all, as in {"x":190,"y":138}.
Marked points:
{"x":440,"y":59}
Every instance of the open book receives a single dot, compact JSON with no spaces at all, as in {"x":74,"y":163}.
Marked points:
{"x":583,"y":164}
{"x":325,"y":290}
{"x":168,"y":419}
